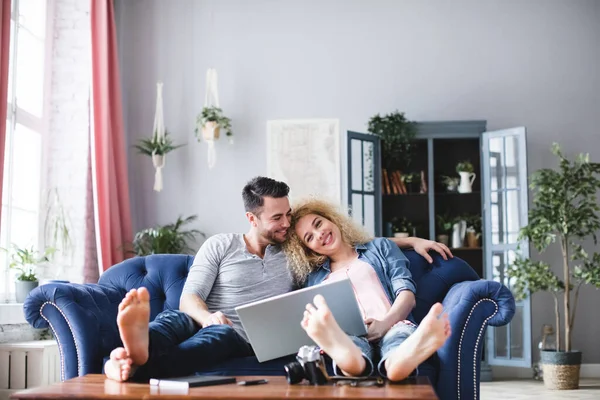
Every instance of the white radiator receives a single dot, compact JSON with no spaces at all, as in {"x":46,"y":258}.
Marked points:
{"x":25,"y":365}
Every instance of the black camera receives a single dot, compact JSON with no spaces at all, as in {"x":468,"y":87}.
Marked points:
{"x":310,"y":366}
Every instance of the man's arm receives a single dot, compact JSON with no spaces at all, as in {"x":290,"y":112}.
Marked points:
{"x":199,"y":283}
{"x":423,"y":246}
{"x":196,"y":308}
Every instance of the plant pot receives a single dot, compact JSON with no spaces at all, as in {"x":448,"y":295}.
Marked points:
{"x":158,"y":160}
{"x":443,"y":239}
{"x":466,"y":182}
{"x":473,"y":240}
{"x":401,"y":234}
{"x":561,"y":369}
{"x":211,"y":130}
{"x":22,"y":289}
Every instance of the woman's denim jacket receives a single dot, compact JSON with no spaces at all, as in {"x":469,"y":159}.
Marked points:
{"x":388,"y":261}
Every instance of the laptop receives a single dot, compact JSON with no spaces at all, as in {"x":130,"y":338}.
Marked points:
{"x":273,"y":325}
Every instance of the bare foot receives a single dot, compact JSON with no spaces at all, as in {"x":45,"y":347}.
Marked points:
{"x":418,"y":347}
{"x":321,"y":327}
{"x":118,"y":368}
{"x":133,"y":319}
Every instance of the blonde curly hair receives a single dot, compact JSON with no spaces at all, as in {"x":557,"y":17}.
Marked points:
{"x":302,"y":260}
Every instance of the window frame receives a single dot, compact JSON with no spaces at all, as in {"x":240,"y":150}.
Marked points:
{"x":16,"y":115}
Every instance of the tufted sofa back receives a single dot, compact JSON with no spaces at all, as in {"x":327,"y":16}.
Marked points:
{"x":164,"y":276}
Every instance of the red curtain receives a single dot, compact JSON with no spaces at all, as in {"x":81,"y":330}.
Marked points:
{"x":111,"y":188}
{"x":4,"y":65}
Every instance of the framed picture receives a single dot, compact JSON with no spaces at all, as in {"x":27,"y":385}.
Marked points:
{"x":305,"y":154}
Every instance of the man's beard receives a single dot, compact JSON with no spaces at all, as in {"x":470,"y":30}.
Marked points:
{"x":272,"y":238}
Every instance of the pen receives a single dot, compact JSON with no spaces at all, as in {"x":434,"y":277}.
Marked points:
{"x":250,"y":383}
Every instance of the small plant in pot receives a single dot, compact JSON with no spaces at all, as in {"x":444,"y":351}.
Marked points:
{"x":565,"y":214}
{"x":25,"y":260}
{"x":156,"y":148}
{"x":473,"y":235}
{"x":210,"y":122}
{"x":450,"y":182}
{"x":467,"y":176}
{"x":444,"y":226}
{"x":401,"y":227}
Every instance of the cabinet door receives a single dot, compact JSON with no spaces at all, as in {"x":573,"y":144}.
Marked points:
{"x":505,"y":198}
{"x":364,"y":181}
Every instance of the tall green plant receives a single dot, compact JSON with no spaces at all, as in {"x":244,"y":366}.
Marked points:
{"x":166,"y":239}
{"x":397,"y":134}
{"x":565,"y":211}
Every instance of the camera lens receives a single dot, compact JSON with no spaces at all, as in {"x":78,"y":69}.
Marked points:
{"x":294,"y":372}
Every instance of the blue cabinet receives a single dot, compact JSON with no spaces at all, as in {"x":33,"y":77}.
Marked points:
{"x":421,"y":202}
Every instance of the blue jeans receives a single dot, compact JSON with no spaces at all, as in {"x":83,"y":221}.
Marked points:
{"x":178,"y":347}
{"x":375,"y":353}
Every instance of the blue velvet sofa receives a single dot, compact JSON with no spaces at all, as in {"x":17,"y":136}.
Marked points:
{"x":83,"y":317}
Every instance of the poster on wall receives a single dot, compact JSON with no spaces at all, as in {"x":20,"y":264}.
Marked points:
{"x":305,"y":154}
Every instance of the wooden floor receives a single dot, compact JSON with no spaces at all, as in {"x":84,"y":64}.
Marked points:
{"x":528,"y":389}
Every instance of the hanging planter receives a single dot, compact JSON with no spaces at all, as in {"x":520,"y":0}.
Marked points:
{"x":159,"y":144}
{"x":211,"y":120}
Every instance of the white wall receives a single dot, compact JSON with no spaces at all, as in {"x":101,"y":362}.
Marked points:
{"x":67,"y":140}
{"x":534,"y":63}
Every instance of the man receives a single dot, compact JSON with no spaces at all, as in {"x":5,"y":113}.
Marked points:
{"x":229,"y":270}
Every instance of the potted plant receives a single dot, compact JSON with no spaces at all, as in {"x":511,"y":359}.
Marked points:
{"x":25,"y":260}
{"x":166,"y":239}
{"x":397,"y":134}
{"x":401,"y":227}
{"x":210,"y":121}
{"x":451,"y":182}
{"x":564,"y":213}
{"x":467,"y":176}
{"x":473,"y":235}
{"x":444,"y":225}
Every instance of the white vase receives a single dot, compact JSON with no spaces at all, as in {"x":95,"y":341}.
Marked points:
{"x":458,"y":234}
{"x":466,"y":182}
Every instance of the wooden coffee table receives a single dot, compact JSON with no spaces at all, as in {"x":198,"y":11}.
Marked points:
{"x":98,"y":387}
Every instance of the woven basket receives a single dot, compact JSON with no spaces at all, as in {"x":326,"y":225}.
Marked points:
{"x":561,"y":369}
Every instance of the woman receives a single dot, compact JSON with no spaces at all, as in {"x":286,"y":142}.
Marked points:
{"x":326,"y":245}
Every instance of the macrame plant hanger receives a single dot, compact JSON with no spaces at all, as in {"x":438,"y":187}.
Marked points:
{"x":158,"y":160}
{"x":210,"y":130}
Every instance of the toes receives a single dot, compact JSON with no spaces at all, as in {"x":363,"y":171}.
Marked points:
{"x":320,"y":301}
{"x":310,"y":308}
{"x":143,"y":295}
{"x":436,"y":310}
{"x":118,"y":354}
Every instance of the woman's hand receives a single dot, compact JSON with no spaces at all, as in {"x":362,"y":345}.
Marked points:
{"x":376,"y":329}
{"x":423,"y":246}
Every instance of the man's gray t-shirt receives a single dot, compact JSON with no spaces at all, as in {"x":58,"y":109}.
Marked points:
{"x":226,"y":275}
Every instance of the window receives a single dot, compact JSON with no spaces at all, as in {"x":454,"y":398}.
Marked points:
{"x":24,"y":128}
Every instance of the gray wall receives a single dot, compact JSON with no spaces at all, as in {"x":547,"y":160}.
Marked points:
{"x":534,"y":63}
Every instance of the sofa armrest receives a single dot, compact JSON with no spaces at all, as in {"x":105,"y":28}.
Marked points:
{"x":471,"y":306}
{"x":83,"y":321}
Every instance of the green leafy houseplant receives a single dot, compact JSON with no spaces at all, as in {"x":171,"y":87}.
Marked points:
{"x":25,"y":259}
{"x":397,"y":134}
{"x":565,"y":211}
{"x":444,"y":223}
{"x":464,"y":166}
{"x":213,"y":114}
{"x":166,"y":239}
{"x":156,"y":146}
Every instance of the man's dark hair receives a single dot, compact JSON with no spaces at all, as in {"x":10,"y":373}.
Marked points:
{"x":260,"y":187}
